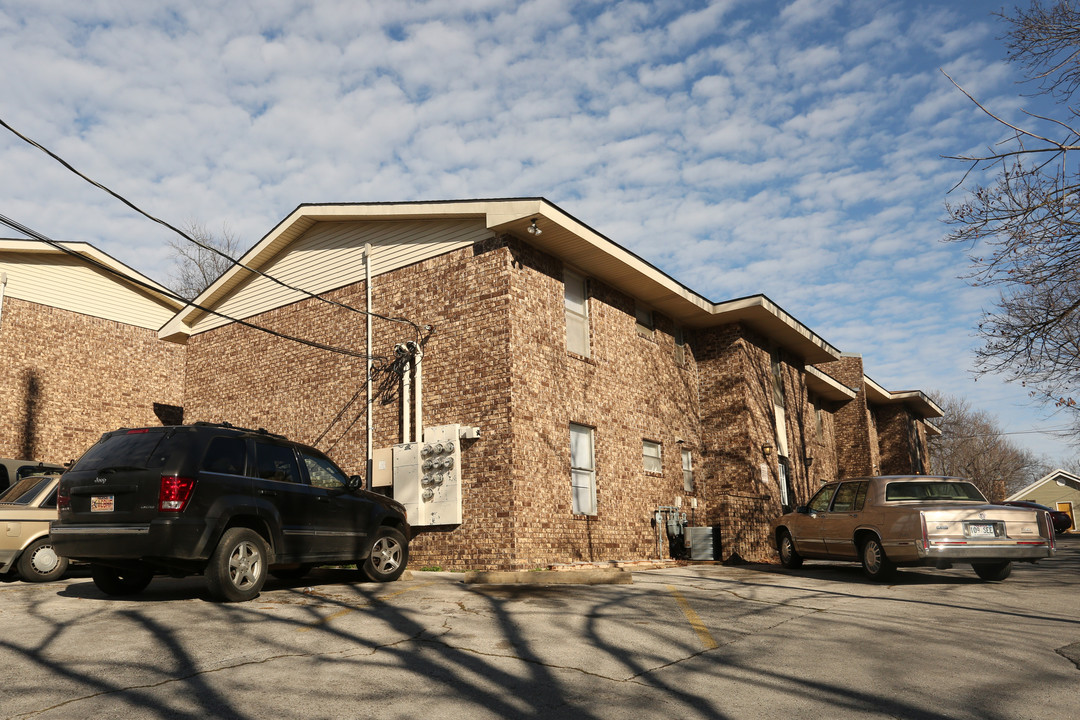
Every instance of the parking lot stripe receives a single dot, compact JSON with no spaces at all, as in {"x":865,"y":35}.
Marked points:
{"x":346,"y":611}
{"x":695,"y":622}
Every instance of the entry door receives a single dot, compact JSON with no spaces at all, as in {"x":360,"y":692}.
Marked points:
{"x":1067,"y":508}
{"x":786,"y":494}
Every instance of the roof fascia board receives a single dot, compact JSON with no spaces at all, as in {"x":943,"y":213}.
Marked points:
{"x":515,"y":215}
{"x":1068,"y":476}
{"x":827,"y":387}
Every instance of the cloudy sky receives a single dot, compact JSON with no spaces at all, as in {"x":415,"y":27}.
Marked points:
{"x":743,"y":146}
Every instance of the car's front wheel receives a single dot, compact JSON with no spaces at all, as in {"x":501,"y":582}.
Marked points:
{"x":789,"y":556}
{"x":993,"y":571}
{"x":115,"y":581}
{"x":237,"y":568}
{"x":388,"y":556}
{"x":40,"y":563}
{"x":876,"y":564}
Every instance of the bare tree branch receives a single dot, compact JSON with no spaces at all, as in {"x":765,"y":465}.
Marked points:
{"x":195,"y":268}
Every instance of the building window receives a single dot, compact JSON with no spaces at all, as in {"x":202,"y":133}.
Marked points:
{"x":777,"y":381}
{"x":577,"y":314}
{"x":644,"y":321}
{"x":819,"y":420}
{"x":651,"y":454}
{"x":680,"y":346}
{"x":582,"y":470}
{"x":687,"y":471}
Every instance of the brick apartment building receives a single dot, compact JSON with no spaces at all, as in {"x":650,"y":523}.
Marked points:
{"x":603,"y":389}
{"x":79,"y":351}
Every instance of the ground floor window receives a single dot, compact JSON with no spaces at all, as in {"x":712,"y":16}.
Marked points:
{"x":687,"y":471}
{"x":582,"y":470}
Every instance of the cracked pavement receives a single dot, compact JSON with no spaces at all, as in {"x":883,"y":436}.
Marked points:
{"x":701,"y":641}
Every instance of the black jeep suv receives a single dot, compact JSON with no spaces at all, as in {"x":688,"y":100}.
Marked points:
{"x":230,"y":503}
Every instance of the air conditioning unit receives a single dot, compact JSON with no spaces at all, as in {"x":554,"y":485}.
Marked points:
{"x":702,"y":547}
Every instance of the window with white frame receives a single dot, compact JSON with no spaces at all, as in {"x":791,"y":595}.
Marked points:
{"x":582,"y":470}
{"x":687,"y":471}
{"x":650,"y":452}
{"x":577,"y":313}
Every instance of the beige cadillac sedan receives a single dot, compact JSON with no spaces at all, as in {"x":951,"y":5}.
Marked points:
{"x":26,"y":510}
{"x":907,"y":520}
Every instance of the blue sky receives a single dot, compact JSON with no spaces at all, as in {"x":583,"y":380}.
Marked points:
{"x":786,"y":148}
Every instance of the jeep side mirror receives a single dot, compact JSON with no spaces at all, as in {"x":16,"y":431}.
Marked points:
{"x":802,"y":509}
{"x":355,"y":482}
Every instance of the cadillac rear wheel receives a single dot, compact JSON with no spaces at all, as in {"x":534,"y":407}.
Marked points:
{"x":993,"y":571}
{"x":874,"y":561}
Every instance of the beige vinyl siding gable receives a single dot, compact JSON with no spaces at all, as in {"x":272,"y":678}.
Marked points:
{"x":330,"y":255}
{"x":67,"y":283}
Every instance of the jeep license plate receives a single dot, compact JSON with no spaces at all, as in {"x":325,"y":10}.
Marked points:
{"x":102,"y":503}
{"x":981,"y":530}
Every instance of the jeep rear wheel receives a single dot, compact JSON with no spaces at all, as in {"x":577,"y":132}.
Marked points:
{"x":117,"y":581}
{"x":388,"y":556}
{"x":237,"y":568}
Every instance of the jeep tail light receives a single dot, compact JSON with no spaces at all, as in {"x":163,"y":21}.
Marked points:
{"x":175,"y":493}
{"x":63,"y":498}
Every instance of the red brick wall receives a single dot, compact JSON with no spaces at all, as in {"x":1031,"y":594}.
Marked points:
{"x":902,"y":440}
{"x":65,"y":378}
{"x":630,"y":389}
{"x":856,"y":434}
{"x":738,"y":419}
{"x":253,"y":379}
{"x":497,"y":359}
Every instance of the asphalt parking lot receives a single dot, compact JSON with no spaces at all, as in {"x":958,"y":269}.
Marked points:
{"x":701,"y":641}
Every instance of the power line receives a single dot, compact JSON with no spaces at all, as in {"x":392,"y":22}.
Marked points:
{"x":416,"y":328}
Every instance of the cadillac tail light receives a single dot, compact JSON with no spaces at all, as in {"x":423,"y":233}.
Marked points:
{"x":175,"y":493}
{"x":925,"y":534}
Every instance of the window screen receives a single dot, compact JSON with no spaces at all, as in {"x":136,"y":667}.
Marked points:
{"x":582,"y":470}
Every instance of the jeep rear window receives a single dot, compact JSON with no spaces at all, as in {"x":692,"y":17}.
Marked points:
{"x":918,"y":490}
{"x":125,"y":450}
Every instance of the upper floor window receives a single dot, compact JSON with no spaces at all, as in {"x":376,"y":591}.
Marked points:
{"x":577,"y":313}
{"x":650,"y":452}
{"x":777,"y":380}
{"x":687,"y":471}
{"x":645,"y":325}
{"x":680,"y":346}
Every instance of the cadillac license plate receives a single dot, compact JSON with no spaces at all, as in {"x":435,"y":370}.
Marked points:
{"x":981,"y":530}
{"x":102,"y":503}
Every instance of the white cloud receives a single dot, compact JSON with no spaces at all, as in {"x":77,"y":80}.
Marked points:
{"x":744,"y":147}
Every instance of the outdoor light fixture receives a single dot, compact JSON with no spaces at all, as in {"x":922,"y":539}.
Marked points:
{"x":766,"y":450}
{"x":809,"y":460}
{"x":533,"y":229}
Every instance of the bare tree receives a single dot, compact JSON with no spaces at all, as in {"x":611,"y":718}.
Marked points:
{"x":1023,"y":226}
{"x":973,"y":445}
{"x":196,"y":265}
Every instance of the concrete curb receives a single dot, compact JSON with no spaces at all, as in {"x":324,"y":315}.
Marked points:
{"x":546,"y":577}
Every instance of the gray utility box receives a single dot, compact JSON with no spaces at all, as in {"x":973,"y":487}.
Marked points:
{"x":702,"y":546}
